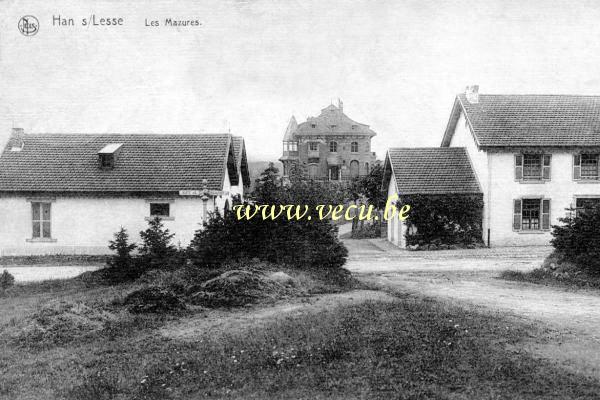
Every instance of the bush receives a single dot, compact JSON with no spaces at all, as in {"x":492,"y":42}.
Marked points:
{"x":157,"y":249}
{"x":121,"y":266}
{"x":367,"y":231}
{"x":448,"y":219}
{"x":6,"y":280}
{"x":578,"y":239}
{"x":302,"y":244}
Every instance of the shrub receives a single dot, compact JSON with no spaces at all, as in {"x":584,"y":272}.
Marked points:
{"x":367,"y":231}
{"x":122,"y":266}
{"x":300,"y":243}
{"x":157,"y":249}
{"x":578,"y":239}
{"x":6,"y":280}
{"x":447,"y":219}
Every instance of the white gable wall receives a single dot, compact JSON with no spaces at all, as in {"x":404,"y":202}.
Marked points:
{"x":395,"y":227}
{"x":479,"y":160}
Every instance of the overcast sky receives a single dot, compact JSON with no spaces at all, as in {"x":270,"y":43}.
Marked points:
{"x":397,"y":65}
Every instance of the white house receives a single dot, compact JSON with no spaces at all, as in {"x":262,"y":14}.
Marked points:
{"x":68,"y":193}
{"x":533,"y":156}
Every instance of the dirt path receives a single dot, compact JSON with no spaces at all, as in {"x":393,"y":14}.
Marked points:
{"x":218,"y":322}
{"x":472,"y":277}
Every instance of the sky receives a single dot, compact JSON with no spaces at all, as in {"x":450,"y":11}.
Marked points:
{"x":250,"y":65}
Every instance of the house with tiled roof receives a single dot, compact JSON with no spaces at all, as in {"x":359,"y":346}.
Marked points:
{"x":435,"y":171}
{"x":534,"y":156}
{"x":68,"y":193}
{"x":329,"y":147}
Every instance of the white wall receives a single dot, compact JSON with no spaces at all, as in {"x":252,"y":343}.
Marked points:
{"x":395,"y":229}
{"x":479,"y":160}
{"x":561,"y":190}
{"x":84,"y":225}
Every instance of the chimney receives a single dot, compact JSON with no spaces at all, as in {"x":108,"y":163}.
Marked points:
{"x":472,"y":93}
{"x":16,"y":141}
{"x":340,"y":105}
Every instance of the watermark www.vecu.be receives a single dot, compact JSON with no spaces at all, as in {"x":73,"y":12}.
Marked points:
{"x":298,"y":212}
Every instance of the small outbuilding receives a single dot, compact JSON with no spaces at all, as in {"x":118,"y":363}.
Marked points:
{"x":426,"y":171}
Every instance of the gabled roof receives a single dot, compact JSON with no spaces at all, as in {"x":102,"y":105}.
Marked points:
{"x":239,"y":149}
{"x":331,"y":121}
{"x":430,"y":170}
{"x":529,"y":120}
{"x":145,"y":163}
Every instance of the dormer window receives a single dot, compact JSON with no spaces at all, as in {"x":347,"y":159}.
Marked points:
{"x":313,"y":125}
{"x":107,"y":157}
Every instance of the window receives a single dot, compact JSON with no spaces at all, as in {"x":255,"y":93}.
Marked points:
{"x":354,"y":147}
{"x":581,"y":203}
{"x":107,"y":161}
{"x":313,"y":125}
{"x":40,"y":216}
{"x":585,"y":166}
{"x":354,"y":169}
{"x":531,"y":214}
{"x":160,"y":209}
{"x":368,"y":146}
{"x":532,"y":166}
{"x":313,"y":146}
{"x":333,"y":147}
{"x":367,"y":168}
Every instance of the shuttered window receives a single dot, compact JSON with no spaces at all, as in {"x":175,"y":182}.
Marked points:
{"x":532,"y":166}
{"x":531,"y":214}
{"x":589,"y":166}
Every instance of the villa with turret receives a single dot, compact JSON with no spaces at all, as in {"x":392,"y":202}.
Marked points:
{"x":329,"y":147}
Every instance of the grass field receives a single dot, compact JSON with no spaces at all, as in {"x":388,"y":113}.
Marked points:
{"x":409,"y":348}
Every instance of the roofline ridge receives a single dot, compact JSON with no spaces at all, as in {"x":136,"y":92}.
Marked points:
{"x":426,"y":148}
{"x":536,"y":94}
{"x":129,"y":134}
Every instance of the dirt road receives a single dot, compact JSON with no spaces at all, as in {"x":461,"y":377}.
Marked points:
{"x":471,"y":276}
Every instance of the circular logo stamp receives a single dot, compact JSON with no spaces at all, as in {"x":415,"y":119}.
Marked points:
{"x":29,"y":25}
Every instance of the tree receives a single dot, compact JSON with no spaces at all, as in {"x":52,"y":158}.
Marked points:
{"x":123,"y":249}
{"x":578,"y":239}
{"x":367,"y":190}
{"x":300,"y":243}
{"x":157,"y":248}
{"x":267,"y":185}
